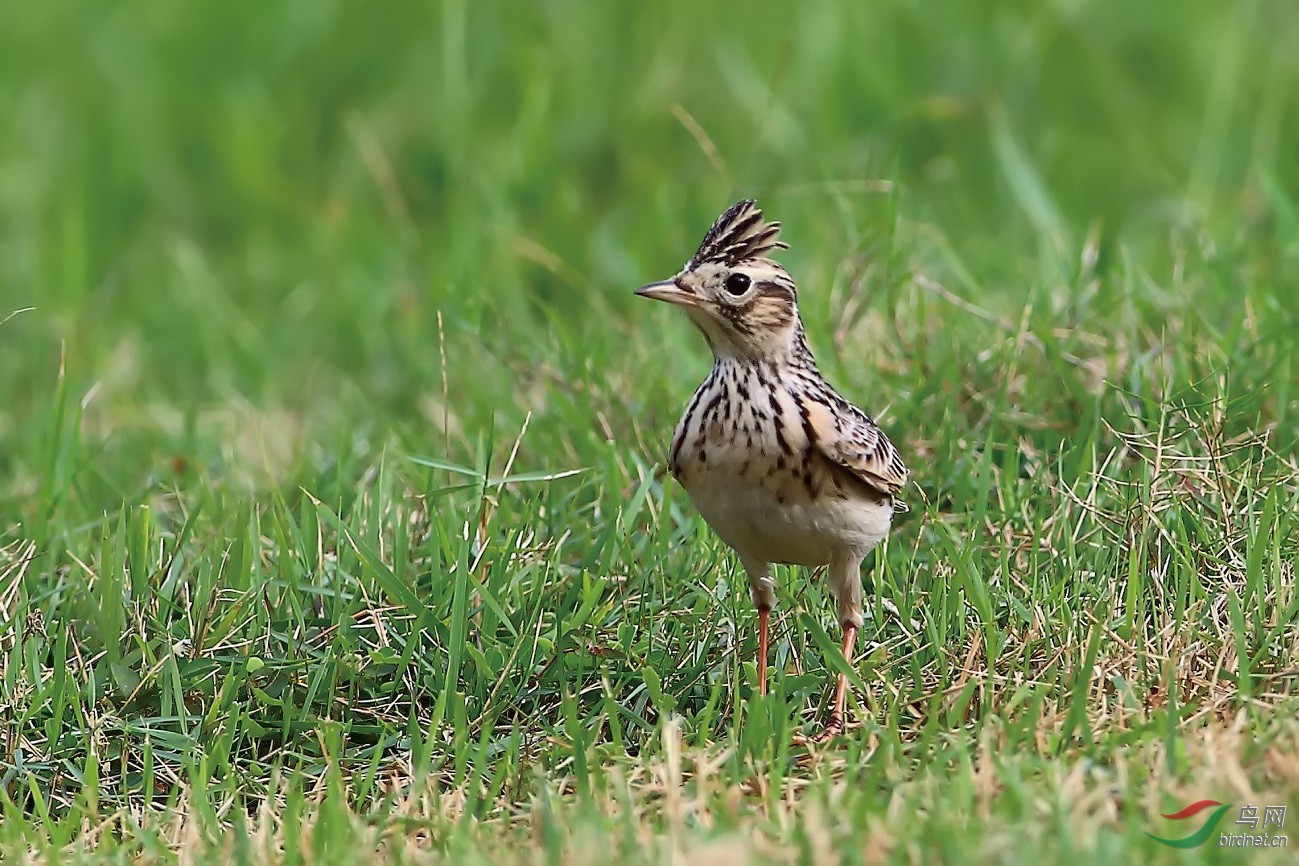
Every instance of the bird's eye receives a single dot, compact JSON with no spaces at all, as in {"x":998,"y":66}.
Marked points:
{"x":737,"y":284}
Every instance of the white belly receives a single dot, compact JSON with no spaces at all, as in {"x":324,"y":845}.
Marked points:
{"x":750,"y":517}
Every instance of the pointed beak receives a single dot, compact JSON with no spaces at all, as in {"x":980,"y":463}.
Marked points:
{"x":669,"y":291}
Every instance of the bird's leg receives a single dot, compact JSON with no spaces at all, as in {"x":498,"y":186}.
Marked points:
{"x":834,"y":726}
{"x":763,"y":591}
{"x":845,"y":583}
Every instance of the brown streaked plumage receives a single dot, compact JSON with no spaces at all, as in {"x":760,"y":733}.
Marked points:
{"x":780,"y":466}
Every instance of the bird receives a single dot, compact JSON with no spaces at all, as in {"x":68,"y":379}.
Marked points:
{"x":781,"y":467}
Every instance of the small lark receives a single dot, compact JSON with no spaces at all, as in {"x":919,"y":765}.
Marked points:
{"x":783,"y":469}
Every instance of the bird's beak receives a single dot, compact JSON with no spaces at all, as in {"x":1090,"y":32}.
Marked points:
{"x":669,"y":291}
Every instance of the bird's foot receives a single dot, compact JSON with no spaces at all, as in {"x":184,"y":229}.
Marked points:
{"x":834,"y":727}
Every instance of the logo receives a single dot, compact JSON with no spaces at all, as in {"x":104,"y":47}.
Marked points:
{"x":1273,"y":816}
{"x":1200,"y":836}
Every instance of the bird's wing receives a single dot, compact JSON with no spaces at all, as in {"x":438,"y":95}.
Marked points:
{"x":847,"y":437}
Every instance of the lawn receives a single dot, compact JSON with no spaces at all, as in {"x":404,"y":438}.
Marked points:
{"x":334,"y":525}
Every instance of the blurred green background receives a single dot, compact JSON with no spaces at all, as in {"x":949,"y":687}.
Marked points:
{"x":272,"y":201}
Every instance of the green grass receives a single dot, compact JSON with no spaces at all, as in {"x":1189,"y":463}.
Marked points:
{"x":333,"y":524}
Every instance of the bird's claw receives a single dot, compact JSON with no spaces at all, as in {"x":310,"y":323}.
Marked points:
{"x":834,"y":727}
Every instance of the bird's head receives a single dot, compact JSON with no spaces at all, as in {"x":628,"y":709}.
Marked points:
{"x":744,"y":302}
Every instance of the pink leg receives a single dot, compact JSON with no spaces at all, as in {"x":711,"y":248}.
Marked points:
{"x":834,"y":726}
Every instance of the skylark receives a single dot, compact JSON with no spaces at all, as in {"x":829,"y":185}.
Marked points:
{"x":780,"y":466}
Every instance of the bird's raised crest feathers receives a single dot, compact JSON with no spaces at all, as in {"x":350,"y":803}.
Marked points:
{"x":738,"y":234}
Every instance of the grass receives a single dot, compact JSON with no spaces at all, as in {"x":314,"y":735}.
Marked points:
{"x":333,"y":525}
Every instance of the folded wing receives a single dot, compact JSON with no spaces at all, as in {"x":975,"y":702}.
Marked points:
{"x":847,"y":437}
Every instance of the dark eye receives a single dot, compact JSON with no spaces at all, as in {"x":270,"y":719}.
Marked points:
{"x":737,"y":284}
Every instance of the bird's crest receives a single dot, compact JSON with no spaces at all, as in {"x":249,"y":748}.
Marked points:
{"x":737,"y":235}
